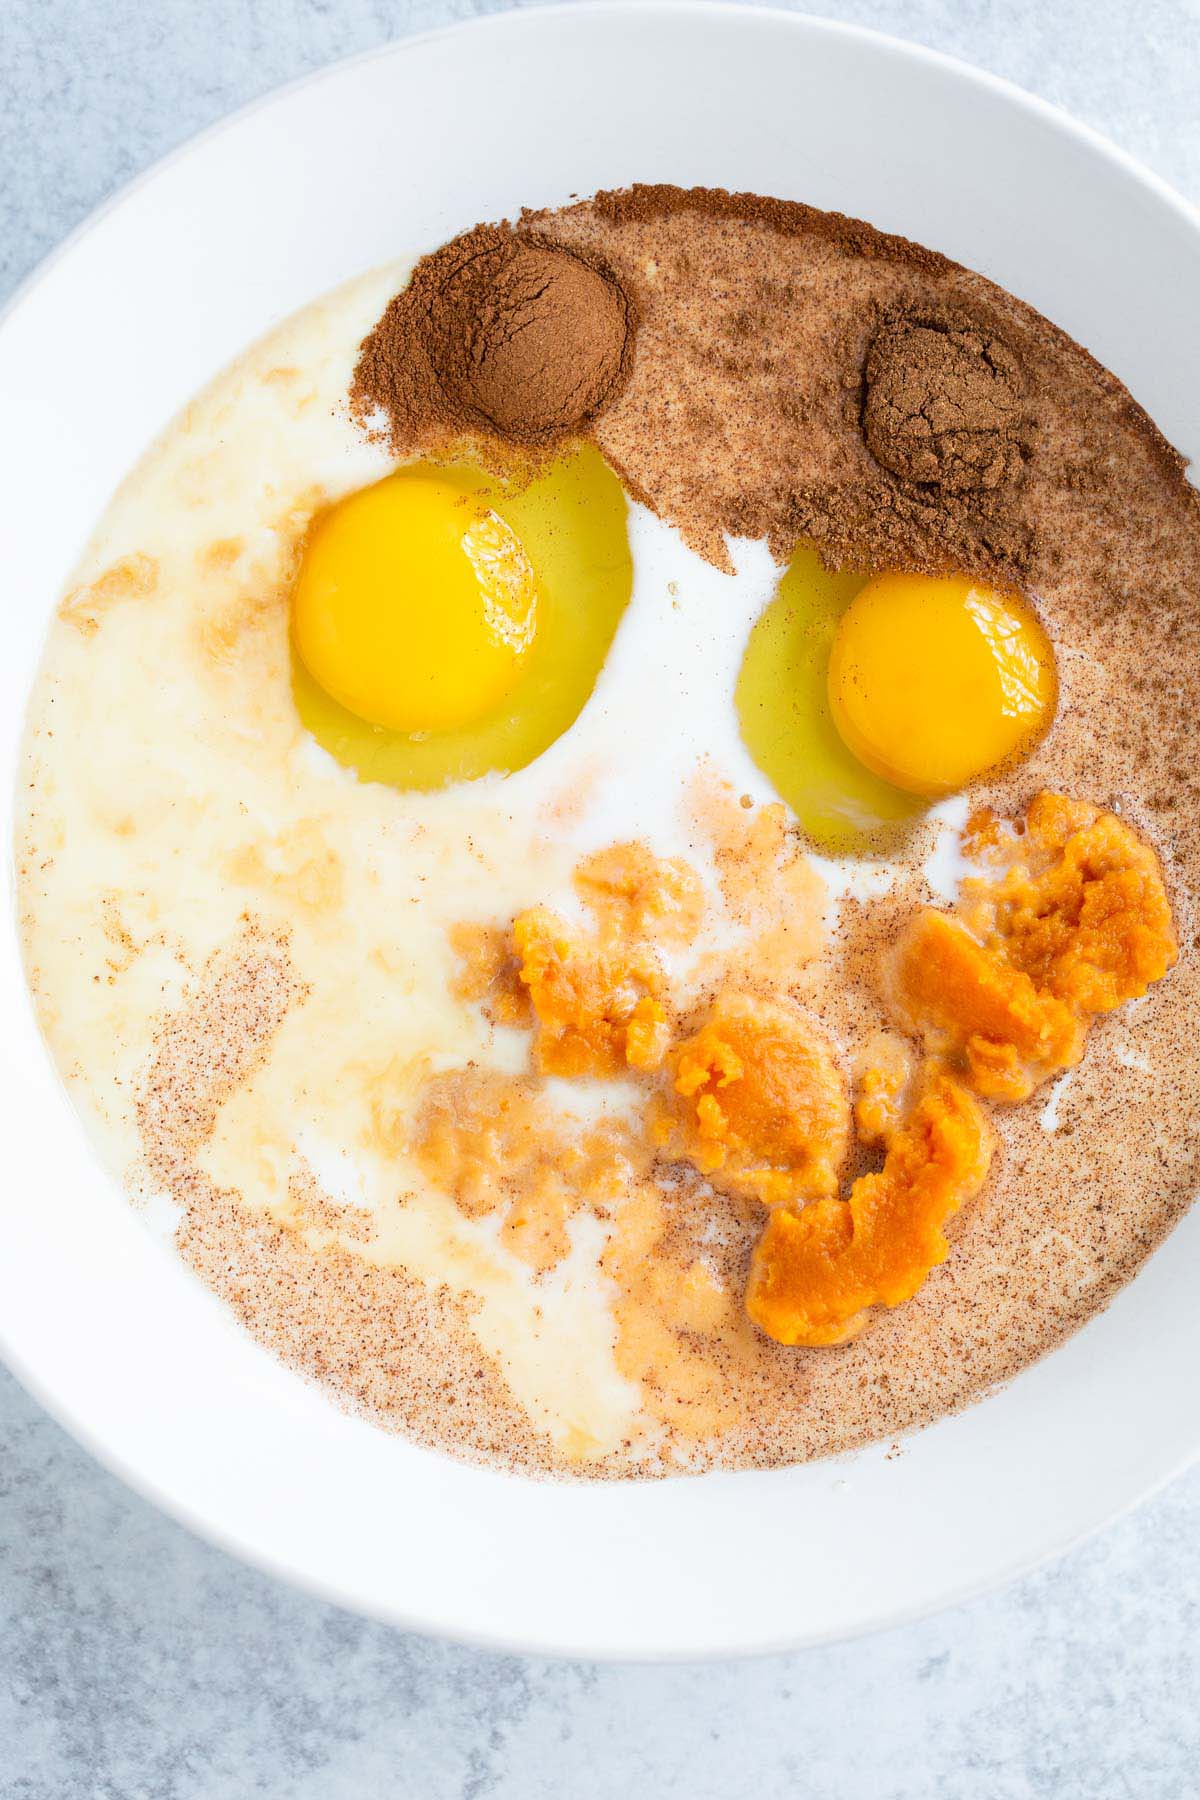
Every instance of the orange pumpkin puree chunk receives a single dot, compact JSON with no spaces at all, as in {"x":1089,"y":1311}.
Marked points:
{"x":1066,"y":918}
{"x":883,"y":1070}
{"x":980,"y":1014}
{"x":597,"y":1004}
{"x":817,"y":1272}
{"x":1076,"y":922}
{"x":758,"y":1104}
{"x":635,"y":894}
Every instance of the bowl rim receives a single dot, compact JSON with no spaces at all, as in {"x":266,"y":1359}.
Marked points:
{"x":503,"y":23}
{"x":507,"y":18}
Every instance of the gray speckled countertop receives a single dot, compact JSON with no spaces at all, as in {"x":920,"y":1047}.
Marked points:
{"x":136,"y":1661}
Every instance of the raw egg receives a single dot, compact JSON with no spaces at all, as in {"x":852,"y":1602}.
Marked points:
{"x":447,"y":624}
{"x":786,"y":721}
{"x":932,"y":682}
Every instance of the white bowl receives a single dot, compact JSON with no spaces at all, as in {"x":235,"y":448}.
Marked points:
{"x":394,"y":152}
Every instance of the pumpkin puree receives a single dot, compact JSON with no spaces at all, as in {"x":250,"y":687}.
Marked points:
{"x":635,"y":894}
{"x":597,"y":1003}
{"x":1077,"y":922}
{"x":758,"y":1103}
{"x":1067,"y":918}
{"x":816,"y":1273}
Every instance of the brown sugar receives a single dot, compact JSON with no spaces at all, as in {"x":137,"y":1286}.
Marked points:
{"x":756,"y":368}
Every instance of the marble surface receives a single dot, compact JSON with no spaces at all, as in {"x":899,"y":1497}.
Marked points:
{"x":137,"y":1662}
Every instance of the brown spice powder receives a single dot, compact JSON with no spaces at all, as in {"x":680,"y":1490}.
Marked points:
{"x":497,"y":332}
{"x":942,"y":407}
{"x":757,"y":368}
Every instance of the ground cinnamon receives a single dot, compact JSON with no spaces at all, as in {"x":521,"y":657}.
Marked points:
{"x":942,"y":406}
{"x":497,"y":331}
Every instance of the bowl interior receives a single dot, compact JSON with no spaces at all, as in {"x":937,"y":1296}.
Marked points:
{"x":391,"y":153}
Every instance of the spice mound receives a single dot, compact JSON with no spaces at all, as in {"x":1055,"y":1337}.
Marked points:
{"x":501,"y":332}
{"x":942,"y":407}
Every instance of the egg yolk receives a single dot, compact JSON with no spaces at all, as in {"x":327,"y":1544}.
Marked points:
{"x":482,"y":608}
{"x":783,"y":709}
{"x":415,"y":605}
{"x":934,"y":681}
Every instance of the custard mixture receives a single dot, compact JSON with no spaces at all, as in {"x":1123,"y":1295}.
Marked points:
{"x":609,"y":831}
